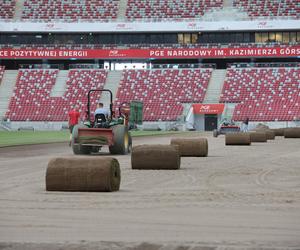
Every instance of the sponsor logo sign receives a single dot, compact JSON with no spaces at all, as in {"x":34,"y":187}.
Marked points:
{"x":283,"y":51}
{"x":202,"y":109}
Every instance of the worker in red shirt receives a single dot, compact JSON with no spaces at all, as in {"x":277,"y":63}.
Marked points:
{"x":74,"y":118}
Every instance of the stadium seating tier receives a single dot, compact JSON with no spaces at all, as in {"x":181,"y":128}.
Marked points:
{"x":7,"y":8}
{"x":105,"y":10}
{"x":163,"y":91}
{"x":269,"y":8}
{"x":70,"y":10}
{"x":263,"y":94}
{"x":32,"y":100}
{"x":160,"y":9}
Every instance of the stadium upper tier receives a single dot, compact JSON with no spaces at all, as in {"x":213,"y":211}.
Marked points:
{"x":269,"y":8}
{"x":156,"y":9}
{"x":7,"y":8}
{"x":70,"y":10}
{"x":135,"y":10}
{"x":263,"y":94}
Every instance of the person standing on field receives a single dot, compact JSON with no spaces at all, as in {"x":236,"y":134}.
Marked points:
{"x":74,"y":118}
{"x":245,"y":125}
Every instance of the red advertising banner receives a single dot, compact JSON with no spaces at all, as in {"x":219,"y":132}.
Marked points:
{"x":202,"y":109}
{"x":283,"y":51}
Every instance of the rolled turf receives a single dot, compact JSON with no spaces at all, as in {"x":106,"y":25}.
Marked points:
{"x":292,"y":133}
{"x":278,"y":131}
{"x":258,"y":136}
{"x":238,"y":139}
{"x":191,"y":147}
{"x":83,"y":174}
{"x":155,"y":157}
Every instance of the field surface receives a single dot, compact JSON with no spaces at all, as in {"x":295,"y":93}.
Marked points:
{"x":237,"y":198}
{"x":16,"y":138}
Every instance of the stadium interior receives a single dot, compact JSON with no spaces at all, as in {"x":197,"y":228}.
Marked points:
{"x":43,"y":90}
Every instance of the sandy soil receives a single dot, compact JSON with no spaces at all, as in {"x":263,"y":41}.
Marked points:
{"x":237,"y":198}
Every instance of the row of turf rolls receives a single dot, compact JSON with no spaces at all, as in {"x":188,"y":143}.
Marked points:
{"x":260,"y":135}
{"x":167,"y":156}
{"x":103,"y":174}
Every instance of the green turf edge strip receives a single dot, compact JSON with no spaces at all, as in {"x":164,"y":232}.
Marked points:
{"x":48,"y":139}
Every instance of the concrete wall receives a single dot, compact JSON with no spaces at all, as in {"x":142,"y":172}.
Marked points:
{"x":199,"y":122}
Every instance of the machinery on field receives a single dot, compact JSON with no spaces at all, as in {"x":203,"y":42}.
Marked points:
{"x":226,"y":127}
{"x":99,"y":130}
{"x":134,"y":112}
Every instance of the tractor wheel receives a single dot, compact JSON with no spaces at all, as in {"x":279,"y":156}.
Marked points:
{"x":215,"y":133}
{"x":122,"y":140}
{"x":129,"y":143}
{"x":77,"y":149}
{"x":85,"y":150}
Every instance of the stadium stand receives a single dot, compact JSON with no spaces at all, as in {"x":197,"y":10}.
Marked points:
{"x":105,"y":10}
{"x":269,"y":8}
{"x":31,"y":100}
{"x":160,"y":9}
{"x":70,"y":10}
{"x":147,"y":46}
{"x":290,"y":8}
{"x":163,"y":91}
{"x":7,"y":8}
{"x":78,"y":84}
{"x":2,"y":68}
{"x":263,"y":94}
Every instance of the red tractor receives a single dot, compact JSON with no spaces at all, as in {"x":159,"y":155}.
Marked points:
{"x":99,"y":130}
{"x":226,"y":128}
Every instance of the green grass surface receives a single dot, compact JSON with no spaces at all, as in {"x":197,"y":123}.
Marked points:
{"x":31,"y":137}
{"x":14,"y":138}
{"x":151,"y":133}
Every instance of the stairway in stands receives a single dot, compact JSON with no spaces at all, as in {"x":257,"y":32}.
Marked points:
{"x":228,"y":3}
{"x":60,"y":85}
{"x":18,"y":10}
{"x":6,"y":89}
{"x":122,"y":10}
{"x":215,"y":86}
{"x":112,"y":83}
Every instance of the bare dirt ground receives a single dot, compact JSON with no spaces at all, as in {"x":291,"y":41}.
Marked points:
{"x":237,"y":198}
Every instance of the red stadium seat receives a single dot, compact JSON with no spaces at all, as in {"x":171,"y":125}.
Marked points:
{"x":70,"y":10}
{"x":160,"y":9}
{"x":163,"y":91}
{"x":31,"y":100}
{"x":263,"y":94}
{"x":269,"y":8}
{"x":7,"y":8}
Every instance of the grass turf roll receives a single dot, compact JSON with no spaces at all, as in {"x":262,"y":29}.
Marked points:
{"x":83,"y":174}
{"x":155,"y":157}
{"x":278,"y":131}
{"x":238,"y":139}
{"x":191,"y":147}
{"x":292,"y":133}
{"x":269,"y":132}
{"x":258,"y":136}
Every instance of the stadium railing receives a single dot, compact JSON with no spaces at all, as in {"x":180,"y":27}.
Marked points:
{"x":146,"y":46}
